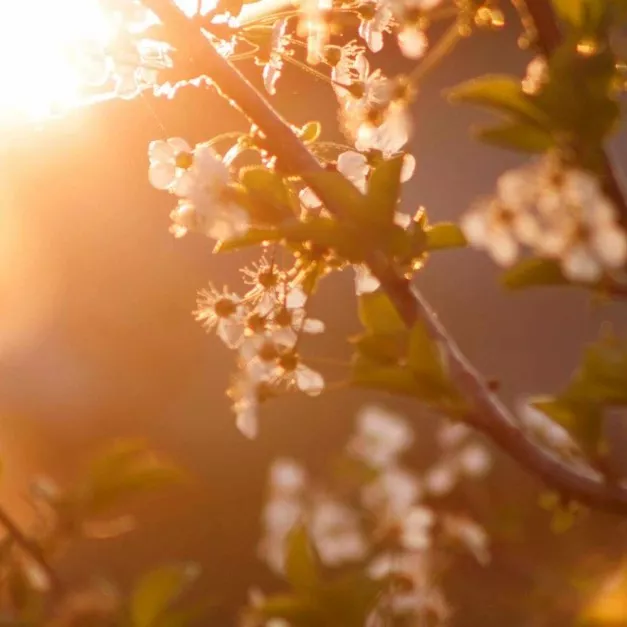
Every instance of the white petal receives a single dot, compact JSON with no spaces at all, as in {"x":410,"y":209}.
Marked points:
{"x":402,"y":219}
{"x":246,"y":420}
{"x":579,"y":264}
{"x":309,"y":381}
{"x":409,"y":166}
{"x":296,"y":298}
{"x":160,"y":150}
{"x":440,"y":480}
{"x":161,"y":175}
{"x":474,"y":225}
{"x":231,"y":332}
{"x":185,"y":184}
{"x":503,"y":247}
{"x":353,"y":165}
{"x":309,"y":199}
{"x":412,"y":42}
{"x":365,"y":283}
{"x":313,"y":326}
{"x":374,"y":39}
{"x":179,"y":145}
{"x":611,"y":245}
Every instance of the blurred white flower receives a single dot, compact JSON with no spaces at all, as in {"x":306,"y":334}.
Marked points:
{"x":381,"y":436}
{"x":336,"y":533}
{"x":471,"y":535}
{"x":287,"y":477}
{"x":416,"y":528}
{"x":392,"y":494}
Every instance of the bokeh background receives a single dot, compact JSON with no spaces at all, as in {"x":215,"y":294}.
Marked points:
{"x":97,"y":341}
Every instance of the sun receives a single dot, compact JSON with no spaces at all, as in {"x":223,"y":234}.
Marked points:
{"x":39,"y":40}
{"x":43,"y":46}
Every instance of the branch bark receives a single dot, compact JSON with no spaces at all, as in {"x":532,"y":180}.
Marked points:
{"x":488,"y":415}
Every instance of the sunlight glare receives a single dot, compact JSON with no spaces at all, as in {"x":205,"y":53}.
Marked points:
{"x":38,"y":41}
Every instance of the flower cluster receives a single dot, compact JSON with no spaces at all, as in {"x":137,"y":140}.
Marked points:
{"x":199,"y":178}
{"x":264,"y":327}
{"x":387,"y":526}
{"x":559,"y":212}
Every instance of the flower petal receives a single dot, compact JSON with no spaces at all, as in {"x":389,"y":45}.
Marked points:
{"x":309,"y":381}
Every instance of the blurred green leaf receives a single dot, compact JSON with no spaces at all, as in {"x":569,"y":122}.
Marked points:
{"x":378,"y":314}
{"x":271,"y":202}
{"x":570,"y":11}
{"x":126,"y":468}
{"x":384,"y":189}
{"x":300,"y":566}
{"x":517,"y":136}
{"x":299,"y":611}
{"x":499,"y":93}
{"x":157,"y":590}
{"x":443,"y":236}
{"x":383,"y":348}
{"x":533,"y":272}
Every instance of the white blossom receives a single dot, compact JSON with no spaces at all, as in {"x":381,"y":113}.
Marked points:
{"x":471,"y":535}
{"x":374,"y":23}
{"x":336,"y":533}
{"x":381,"y":436}
{"x":392,"y":494}
{"x":287,"y":477}
{"x":416,"y":528}
{"x":224,"y":312}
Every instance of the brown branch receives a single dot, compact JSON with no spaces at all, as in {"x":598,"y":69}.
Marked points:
{"x":32,"y":549}
{"x":489,"y":415}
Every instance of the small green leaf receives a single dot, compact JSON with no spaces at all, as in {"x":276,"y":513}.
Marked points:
{"x":383,"y":348}
{"x":533,"y":272}
{"x":517,"y":136}
{"x":570,"y":11}
{"x":271,"y":201}
{"x":310,"y":132}
{"x":394,"y":379}
{"x":157,"y":590}
{"x":298,"y":611}
{"x":444,"y":235}
{"x":378,"y":315}
{"x":300,"y":566}
{"x":253,"y":237}
{"x":384,"y":188}
{"x":343,"y":193}
{"x":125,"y":469}
{"x":500,"y":93}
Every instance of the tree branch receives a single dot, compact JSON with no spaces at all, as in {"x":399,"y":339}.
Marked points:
{"x":488,"y":415}
{"x":32,"y":549}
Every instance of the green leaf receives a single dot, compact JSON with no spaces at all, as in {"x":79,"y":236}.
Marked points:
{"x":533,"y":272}
{"x":127,"y":468}
{"x":157,"y":590}
{"x":300,"y":567}
{"x":296,"y":610}
{"x":271,"y":201}
{"x":444,"y":235}
{"x":368,"y":373}
{"x":253,"y":237}
{"x":384,"y":189}
{"x":343,"y":193}
{"x":584,"y":421}
{"x":378,"y":314}
{"x":517,"y":136}
{"x":310,"y":131}
{"x":500,"y":93}
{"x":383,"y":348}
{"x":570,"y":11}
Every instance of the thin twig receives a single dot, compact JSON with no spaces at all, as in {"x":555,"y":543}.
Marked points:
{"x":488,"y":414}
{"x":32,"y":549}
